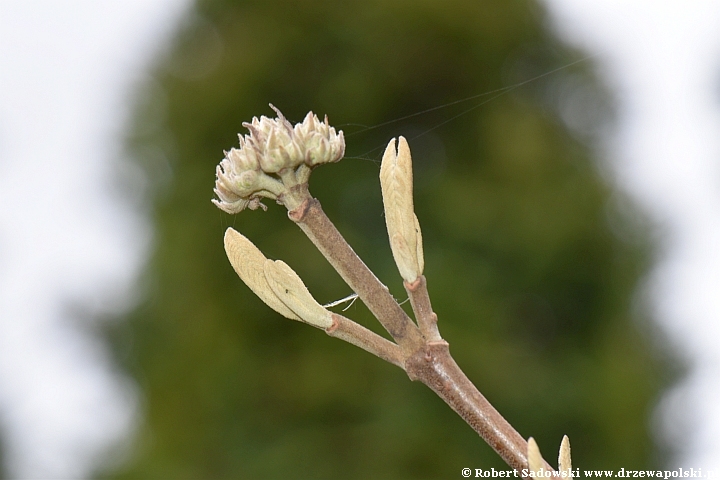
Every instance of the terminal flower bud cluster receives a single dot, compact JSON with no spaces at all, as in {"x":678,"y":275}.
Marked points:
{"x":279,"y":145}
{"x":273,"y":157}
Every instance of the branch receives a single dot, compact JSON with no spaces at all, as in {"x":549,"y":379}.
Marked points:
{"x":351,"y":332}
{"x":434,"y":366}
{"x":276,"y":147}
{"x":420,"y":301}
{"x":317,"y":226}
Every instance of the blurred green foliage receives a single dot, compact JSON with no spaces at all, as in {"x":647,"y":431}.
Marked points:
{"x":530,"y":268}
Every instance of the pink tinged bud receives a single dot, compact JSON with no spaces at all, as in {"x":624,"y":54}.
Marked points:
{"x":310,"y":120}
{"x":320,"y":142}
{"x":281,"y":121}
{"x":228,"y":206}
{"x":317,"y":151}
{"x":243,"y":159}
{"x":287,"y":147}
{"x":272,"y":160}
{"x":259,"y":130}
{"x":272,"y":146}
{"x":224,"y":182}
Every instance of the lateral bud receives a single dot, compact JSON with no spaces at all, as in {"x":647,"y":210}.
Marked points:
{"x":564,"y":460}
{"x":291,"y":290}
{"x":535,"y":461}
{"x":249,"y":263}
{"x":274,"y":282}
{"x":396,"y":181}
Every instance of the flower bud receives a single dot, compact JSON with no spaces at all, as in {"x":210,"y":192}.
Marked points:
{"x":273,"y":158}
{"x":243,"y":159}
{"x":319,"y":141}
{"x":271,"y":147}
{"x":247,"y":182}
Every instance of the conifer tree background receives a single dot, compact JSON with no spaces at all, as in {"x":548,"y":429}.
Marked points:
{"x":531,"y":269}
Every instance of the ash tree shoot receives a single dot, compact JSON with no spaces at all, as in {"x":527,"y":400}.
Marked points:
{"x":274,"y":162}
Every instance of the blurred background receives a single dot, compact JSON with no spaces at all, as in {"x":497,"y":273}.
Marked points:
{"x":566,"y":169}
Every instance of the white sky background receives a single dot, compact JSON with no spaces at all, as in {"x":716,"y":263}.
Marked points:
{"x":66,"y":70}
{"x":66,"y":240}
{"x":662,"y":59}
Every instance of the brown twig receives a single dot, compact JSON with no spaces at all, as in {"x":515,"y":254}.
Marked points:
{"x":345,"y":329}
{"x":321,"y":231}
{"x":421,"y":352}
{"x":243,"y":178}
{"x":434,"y":366}
{"x":420,"y":301}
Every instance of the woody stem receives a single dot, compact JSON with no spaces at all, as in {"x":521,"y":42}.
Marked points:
{"x":317,"y":226}
{"x":434,"y":366}
{"x":423,"y":354}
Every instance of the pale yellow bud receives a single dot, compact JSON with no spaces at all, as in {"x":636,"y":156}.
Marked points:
{"x":249,"y":263}
{"x":274,"y":282}
{"x":403,"y":227}
{"x":274,"y":157}
{"x":564,"y":460}
{"x":535,"y":460}
{"x":290,"y":289}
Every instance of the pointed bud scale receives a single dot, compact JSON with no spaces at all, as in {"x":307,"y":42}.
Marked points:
{"x":290,"y":289}
{"x":230,"y":206}
{"x":404,"y":258}
{"x":242,"y":159}
{"x":420,"y":255}
{"x":272,"y":161}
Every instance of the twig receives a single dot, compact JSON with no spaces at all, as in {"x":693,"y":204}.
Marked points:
{"x":420,"y":301}
{"x":369,"y":341}
{"x":434,"y":366}
{"x":320,"y":230}
{"x":275,"y":147}
{"x":424,"y":360}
